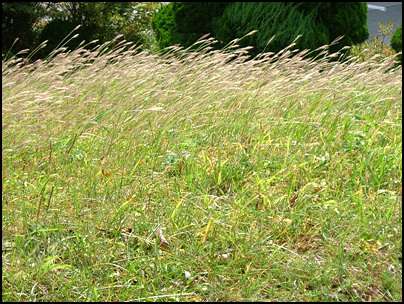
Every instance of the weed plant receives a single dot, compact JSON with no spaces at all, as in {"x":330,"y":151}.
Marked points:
{"x":201,"y":176}
{"x":376,"y":46}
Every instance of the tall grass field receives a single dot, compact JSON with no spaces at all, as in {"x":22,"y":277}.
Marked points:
{"x":199,"y":175}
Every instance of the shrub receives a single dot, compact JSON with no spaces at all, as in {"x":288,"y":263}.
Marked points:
{"x":164,"y":27}
{"x":185,"y":22}
{"x":396,"y":42}
{"x":319,"y":23}
{"x":56,"y":29}
{"x":376,"y":46}
{"x":348,"y":19}
{"x":283,"y":20}
{"x":17,"y":22}
{"x":194,"y":19}
{"x":367,"y":50}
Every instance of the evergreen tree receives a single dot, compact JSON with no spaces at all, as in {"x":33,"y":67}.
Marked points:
{"x":319,"y":23}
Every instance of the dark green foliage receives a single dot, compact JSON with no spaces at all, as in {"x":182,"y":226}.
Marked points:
{"x":185,"y":22}
{"x":283,"y":20}
{"x":396,"y":42}
{"x":93,"y":18}
{"x":17,"y":19}
{"x":194,"y":19}
{"x":348,"y":19}
{"x":164,"y":27}
{"x":319,"y":23}
{"x":35,"y":22}
{"x":55,"y":31}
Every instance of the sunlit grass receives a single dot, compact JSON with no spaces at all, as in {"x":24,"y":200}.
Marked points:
{"x":269,"y":181}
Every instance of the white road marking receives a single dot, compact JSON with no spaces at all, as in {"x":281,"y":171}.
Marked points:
{"x":381,"y":8}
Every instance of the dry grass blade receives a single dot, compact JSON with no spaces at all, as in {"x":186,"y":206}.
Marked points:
{"x":276,"y":178}
{"x":162,"y":242}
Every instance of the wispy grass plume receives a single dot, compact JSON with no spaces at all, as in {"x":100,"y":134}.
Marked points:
{"x":201,"y":175}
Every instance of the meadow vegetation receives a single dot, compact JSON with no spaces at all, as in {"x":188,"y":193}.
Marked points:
{"x":198,"y":175}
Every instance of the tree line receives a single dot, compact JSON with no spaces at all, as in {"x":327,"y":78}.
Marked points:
{"x":34,"y":22}
{"x":318,"y":23}
{"x":159,"y":25}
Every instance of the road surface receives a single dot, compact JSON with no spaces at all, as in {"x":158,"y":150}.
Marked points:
{"x":383,"y":11}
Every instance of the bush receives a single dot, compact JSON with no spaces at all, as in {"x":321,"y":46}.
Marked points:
{"x":241,"y":18}
{"x":376,"y":46}
{"x":396,"y":42}
{"x":164,"y":27}
{"x":194,"y":19}
{"x":17,"y":22}
{"x":348,"y":19}
{"x":56,"y":30}
{"x":185,"y":22}
{"x":319,"y":23}
{"x":367,"y":50}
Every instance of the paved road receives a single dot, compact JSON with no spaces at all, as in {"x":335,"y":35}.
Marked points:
{"x":383,"y":11}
